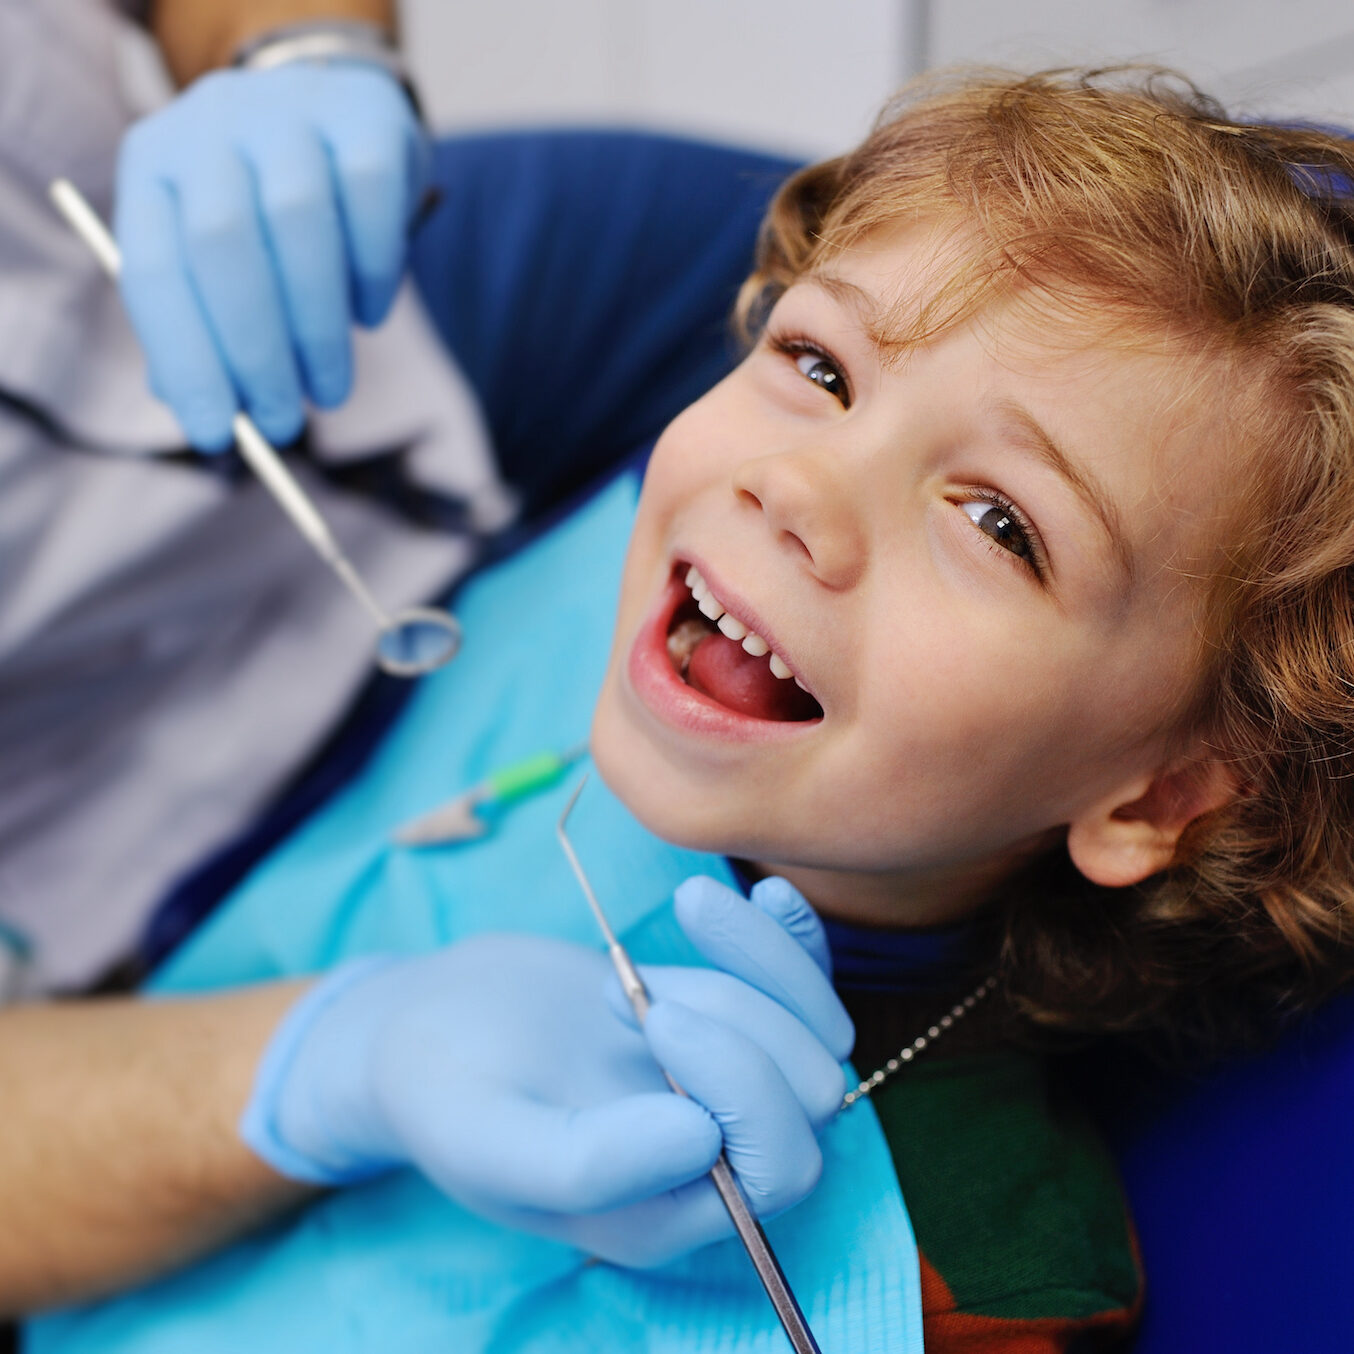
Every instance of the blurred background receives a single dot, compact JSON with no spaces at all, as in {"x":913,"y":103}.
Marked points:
{"x":806,"y":76}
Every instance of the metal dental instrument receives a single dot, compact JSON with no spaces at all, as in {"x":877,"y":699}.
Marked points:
{"x":730,"y":1191}
{"x":410,"y":642}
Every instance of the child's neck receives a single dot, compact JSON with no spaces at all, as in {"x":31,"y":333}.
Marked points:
{"x":895,"y":899}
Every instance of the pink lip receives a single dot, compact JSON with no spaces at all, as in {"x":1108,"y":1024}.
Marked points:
{"x":669,"y":699}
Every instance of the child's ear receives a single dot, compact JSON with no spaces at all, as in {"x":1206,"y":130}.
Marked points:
{"x":1134,"y":832}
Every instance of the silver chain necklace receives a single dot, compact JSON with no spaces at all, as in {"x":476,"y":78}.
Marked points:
{"x":909,"y":1051}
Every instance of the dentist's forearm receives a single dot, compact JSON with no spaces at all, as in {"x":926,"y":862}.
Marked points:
{"x":197,"y":35}
{"x":119,"y":1158}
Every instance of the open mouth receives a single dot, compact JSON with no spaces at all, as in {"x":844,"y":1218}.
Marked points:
{"x":716,"y":654}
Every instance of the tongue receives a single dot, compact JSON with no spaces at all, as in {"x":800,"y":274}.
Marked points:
{"x":727,"y":673}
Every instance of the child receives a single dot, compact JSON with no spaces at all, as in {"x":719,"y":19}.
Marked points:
{"x":1000,"y":600}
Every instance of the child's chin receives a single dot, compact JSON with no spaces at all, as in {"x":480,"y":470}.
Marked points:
{"x":680,"y":829}
{"x":627,"y":768}
{"x":655,"y":798}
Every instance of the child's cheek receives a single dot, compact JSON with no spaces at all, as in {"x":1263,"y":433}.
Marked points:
{"x":690,"y":448}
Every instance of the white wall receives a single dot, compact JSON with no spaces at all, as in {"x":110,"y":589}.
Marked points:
{"x":803,"y":76}
{"x":1267,"y":57}
{"x":806,"y":76}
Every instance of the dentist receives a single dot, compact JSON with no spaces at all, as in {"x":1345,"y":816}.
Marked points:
{"x":170,"y":656}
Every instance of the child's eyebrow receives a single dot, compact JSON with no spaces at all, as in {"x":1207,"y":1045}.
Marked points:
{"x":1033,"y":437}
{"x":865,"y":306}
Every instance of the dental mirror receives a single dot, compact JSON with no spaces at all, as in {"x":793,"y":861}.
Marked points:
{"x":416,"y":641}
{"x":410,"y":642}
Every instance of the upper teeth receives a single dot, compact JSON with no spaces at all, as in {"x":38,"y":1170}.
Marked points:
{"x":711,"y":607}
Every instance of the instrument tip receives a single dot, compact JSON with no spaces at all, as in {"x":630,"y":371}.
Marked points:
{"x":569,"y":807}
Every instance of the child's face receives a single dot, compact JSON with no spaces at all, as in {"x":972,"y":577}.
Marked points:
{"x":1000,"y":639}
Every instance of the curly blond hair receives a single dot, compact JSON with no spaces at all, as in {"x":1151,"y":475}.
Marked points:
{"x":1131,"y":191}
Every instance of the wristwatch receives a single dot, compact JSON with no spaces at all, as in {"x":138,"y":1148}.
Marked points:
{"x":324,"y":41}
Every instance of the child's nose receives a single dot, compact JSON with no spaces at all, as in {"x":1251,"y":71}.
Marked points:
{"x":809,"y":509}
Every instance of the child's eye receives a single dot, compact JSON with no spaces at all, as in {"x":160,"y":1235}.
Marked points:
{"x":822,"y":373}
{"x":1007,"y":526}
{"x":817,"y":365}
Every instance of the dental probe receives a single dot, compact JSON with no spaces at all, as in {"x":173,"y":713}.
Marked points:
{"x":411,"y":642}
{"x":749,"y":1230}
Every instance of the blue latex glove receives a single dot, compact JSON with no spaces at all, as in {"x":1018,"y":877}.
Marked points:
{"x":499,"y":1068}
{"x":259,"y":215}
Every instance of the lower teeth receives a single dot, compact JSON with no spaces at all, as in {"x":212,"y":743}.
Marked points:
{"x":683,"y":642}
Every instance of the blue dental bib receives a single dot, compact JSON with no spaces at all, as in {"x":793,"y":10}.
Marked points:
{"x":392,"y":1264}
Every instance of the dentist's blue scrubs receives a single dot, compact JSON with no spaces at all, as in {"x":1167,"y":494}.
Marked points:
{"x":171,"y":651}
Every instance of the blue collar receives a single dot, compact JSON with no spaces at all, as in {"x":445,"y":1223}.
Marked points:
{"x":868,"y":959}
{"x":875,"y":959}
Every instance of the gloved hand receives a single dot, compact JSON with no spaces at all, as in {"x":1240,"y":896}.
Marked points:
{"x":498,"y":1068}
{"x":258,"y":215}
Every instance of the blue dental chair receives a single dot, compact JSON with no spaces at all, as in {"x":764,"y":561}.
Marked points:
{"x":1242,"y":1187}
{"x":625,"y":251}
